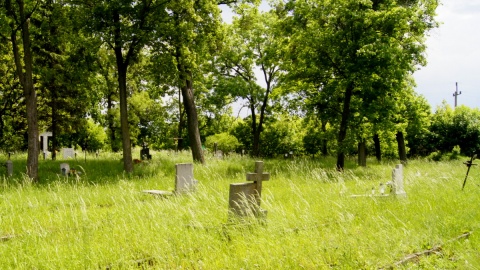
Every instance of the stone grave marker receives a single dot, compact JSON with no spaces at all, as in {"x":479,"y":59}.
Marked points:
{"x":9,"y":166}
{"x":184,"y":181}
{"x":245,"y":198}
{"x":64,"y":168}
{"x":68,"y":153}
{"x":44,"y":138}
{"x":397,"y":181}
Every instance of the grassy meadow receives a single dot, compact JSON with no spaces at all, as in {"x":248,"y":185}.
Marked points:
{"x":101,"y":219}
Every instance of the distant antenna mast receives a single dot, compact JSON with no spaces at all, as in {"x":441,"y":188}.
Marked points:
{"x":456,"y":93}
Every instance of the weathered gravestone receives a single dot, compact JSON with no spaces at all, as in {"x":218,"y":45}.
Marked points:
{"x":44,"y":138}
{"x":9,"y":166}
{"x":68,"y":153}
{"x":64,"y":168}
{"x":397,"y":181}
{"x":245,"y":198}
{"x":184,"y":181}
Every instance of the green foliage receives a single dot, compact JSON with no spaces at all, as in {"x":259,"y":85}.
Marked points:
{"x":96,"y":136}
{"x":356,"y":57}
{"x":225,"y":142}
{"x":460,"y":127}
{"x":284,"y":135}
{"x":242,"y":130}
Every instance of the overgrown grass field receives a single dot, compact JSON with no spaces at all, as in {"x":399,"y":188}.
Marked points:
{"x":102,"y":220}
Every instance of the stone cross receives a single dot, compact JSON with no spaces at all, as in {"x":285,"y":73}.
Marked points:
{"x":245,"y":198}
{"x":258,"y":177}
{"x":397,"y":179}
{"x":44,"y":136}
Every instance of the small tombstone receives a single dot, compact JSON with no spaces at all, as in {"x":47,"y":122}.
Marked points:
{"x":9,"y":165}
{"x":64,"y":168}
{"x":219,"y":154}
{"x":68,"y":153}
{"x":397,"y":181}
{"x":245,"y":198}
{"x":184,"y":181}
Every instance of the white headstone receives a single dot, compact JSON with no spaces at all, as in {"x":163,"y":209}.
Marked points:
{"x":68,"y":153}
{"x":397,"y":179}
{"x":184,"y":181}
{"x":45,"y":136}
{"x":64,"y":168}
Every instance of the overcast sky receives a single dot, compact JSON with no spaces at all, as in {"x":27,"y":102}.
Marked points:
{"x":453,"y":55}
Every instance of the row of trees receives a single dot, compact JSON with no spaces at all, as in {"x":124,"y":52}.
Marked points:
{"x":149,"y":71}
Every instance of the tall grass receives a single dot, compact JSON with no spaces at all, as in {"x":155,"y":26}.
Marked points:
{"x":101,"y":219}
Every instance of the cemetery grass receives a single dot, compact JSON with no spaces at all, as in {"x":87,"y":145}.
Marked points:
{"x":100,"y":219}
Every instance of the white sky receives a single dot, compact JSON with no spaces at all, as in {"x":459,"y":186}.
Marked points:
{"x":453,"y":54}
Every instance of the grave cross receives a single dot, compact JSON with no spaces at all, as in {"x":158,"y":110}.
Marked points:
{"x":44,"y":136}
{"x":257,"y":177}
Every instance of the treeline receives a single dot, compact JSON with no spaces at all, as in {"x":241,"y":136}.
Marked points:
{"x":315,"y":77}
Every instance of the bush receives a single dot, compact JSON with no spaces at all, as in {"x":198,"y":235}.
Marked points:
{"x":225,"y":142}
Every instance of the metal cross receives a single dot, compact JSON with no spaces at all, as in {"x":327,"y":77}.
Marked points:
{"x":469,"y":164}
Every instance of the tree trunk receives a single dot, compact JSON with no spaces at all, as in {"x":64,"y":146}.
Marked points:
{"x":26,"y":79}
{"x":342,"y":134}
{"x":192,"y":118}
{"x":110,"y":121}
{"x":324,"y":141}
{"x":362,"y":154}
{"x":125,"y":128}
{"x":255,"y":132}
{"x":402,"y":152}
{"x":54,"y":123}
{"x":122,"y":67}
{"x":181,"y":122}
{"x":378,"y":150}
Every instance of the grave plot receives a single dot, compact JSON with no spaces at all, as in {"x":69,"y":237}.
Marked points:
{"x":184,"y":181}
{"x":391,"y":188}
{"x":245,"y":198}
